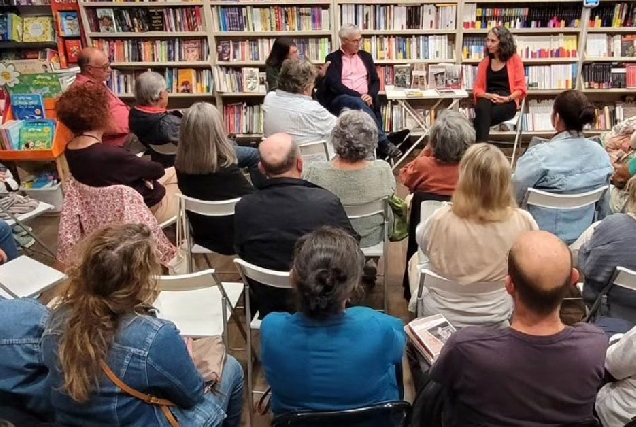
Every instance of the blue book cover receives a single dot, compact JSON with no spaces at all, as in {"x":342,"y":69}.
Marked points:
{"x":27,"y":106}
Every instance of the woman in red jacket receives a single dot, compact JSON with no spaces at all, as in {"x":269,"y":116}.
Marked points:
{"x":501,"y":83}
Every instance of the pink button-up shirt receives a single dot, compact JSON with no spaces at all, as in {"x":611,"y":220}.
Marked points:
{"x":119,"y":129}
{"x":354,"y":73}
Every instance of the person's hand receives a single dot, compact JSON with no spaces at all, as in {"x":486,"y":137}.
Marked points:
{"x":498,"y":99}
{"x":3,"y":177}
{"x":3,"y":257}
{"x":367,"y":98}
{"x":323,"y":70}
{"x":621,"y":176}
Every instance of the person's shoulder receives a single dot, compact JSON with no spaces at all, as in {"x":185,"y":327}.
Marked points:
{"x":588,"y":330}
{"x":374,"y":319}
{"x":332,"y":55}
{"x":524,"y":217}
{"x":270,"y":97}
{"x":382,"y":165}
{"x":24,"y":308}
{"x":274,"y":322}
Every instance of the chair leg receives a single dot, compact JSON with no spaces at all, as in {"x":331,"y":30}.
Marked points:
{"x":250,"y":380}
{"x":385,"y":267}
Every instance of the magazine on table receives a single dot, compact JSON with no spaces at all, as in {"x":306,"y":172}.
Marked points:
{"x":429,"y":334}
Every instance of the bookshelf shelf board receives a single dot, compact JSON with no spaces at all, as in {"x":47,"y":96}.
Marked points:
{"x":268,"y":2}
{"x":536,"y":92}
{"x":532,"y":2}
{"x":621,"y":91}
{"x":148,"y":34}
{"x":242,"y":94}
{"x":141,"y":64}
{"x":609,"y":59}
{"x":172,"y":95}
{"x":527,"y":30}
{"x":396,"y":2}
{"x":409,"y":32}
{"x":540,"y":133}
{"x":241,"y":63}
{"x":531,"y":61}
{"x":27,"y":45}
{"x":413,"y":61}
{"x":630,"y":30}
{"x":142,"y":4}
{"x":312,"y":33}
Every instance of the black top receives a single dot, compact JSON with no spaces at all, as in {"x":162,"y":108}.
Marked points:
{"x":101,"y":165}
{"x":156,"y":128}
{"x":497,"y":81}
{"x":214,"y":233}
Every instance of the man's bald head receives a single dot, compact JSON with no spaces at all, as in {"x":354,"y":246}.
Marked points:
{"x":89,"y":55}
{"x":280,"y":155}
{"x":540,"y":269}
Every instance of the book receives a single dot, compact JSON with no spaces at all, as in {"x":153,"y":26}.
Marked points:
{"x":156,"y":20}
{"x":37,"y":134}
{"x":69,"y":23}
{"x":10,"y":134}
{"x":73,"y":48}
{"x":251,"y":79}
{"x":38,"y":29}
{"x":402,"y":76}
{"x":106,"y":20}
{"x":418,"y":79}
{"x":10,"y":27}
{"x":429,"y":334}
{"x":224,"y":50}
{"x":445,"y":76}
{"x":48,"y":85}
{"x":30,"y":66}
{"x":192,"y":50}
{"x":27,"y":106}
{"x":186,"y":81}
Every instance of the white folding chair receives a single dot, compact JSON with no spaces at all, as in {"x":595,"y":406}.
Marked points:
{"x":20,"y":219}
{"x":315,"y":150}
{"x":622,"y":277}
{"x":197,"y":303}
{"x":165,"y":149}
{"x":168,"y":222}
{"x":516,"y":122}
{"x":25,"y":277}
{"x":544,"y":199}
{"x":276,"y":279}
{"x":381,"y":250}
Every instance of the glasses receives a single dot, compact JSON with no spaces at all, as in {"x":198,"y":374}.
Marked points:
{"x":355,"y":41}
{"x":104,"y":67}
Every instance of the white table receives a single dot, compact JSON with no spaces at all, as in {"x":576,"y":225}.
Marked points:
{"x":403,"y":98}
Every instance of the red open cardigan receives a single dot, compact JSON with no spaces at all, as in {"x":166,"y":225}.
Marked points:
{"x":516,"y":77}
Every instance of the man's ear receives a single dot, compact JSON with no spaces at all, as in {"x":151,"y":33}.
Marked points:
{"x":299,"y":164}
{"x":574,"y":276}
{"x":510,"y":287}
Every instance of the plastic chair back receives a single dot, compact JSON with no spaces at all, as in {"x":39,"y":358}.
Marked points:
{"x":387,"y":414}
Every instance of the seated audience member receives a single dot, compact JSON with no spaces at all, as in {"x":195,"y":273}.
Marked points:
{"x":620,"y":144}
{"x":207,"y":170}
{"x":326,"y":356}
{"x":8,"y":247}
{"x":500,"y":85}
{"x":467,"y":242}
{"x":567,"y":164}
{"x":282,"y":49}
{"x":268,"y":222}
{"x":351,"y":81}
{"x":23,"y":375}
{"x":84,"y":110}
{"x":537,"y":372}
{"x":95,"y":69}
{"x":104,"y":327}
{"x":153,"y":124}
{"x":436,"y":169}
{"x":616,"y":401}
{"x":608,"y":248}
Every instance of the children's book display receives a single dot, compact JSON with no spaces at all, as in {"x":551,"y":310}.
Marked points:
{"x":29,"y":129}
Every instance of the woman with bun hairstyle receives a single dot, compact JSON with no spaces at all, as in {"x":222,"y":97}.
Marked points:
{"x":567,"y":164}
{"x":327,"y":356}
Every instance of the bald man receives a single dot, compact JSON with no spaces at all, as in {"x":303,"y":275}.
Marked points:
{"x":268,"y":222}
{"x":95,"y":68}
{"x":537,"y":372}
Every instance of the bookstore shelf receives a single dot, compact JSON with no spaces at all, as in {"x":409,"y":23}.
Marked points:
{"x":528,"y":30}
{"x":173,"y":95}
{"x":311,"y":33}
{"x":141,"y":64}
{"x":268,"y":3}
{"x":611,"y":30}
{"x":621,"y":91}
{"x":243,"y":94}
{"x":609,"y":59}
{"x":527,"y":61}
{"x":148,"y":34}
{"x":409,"y":32}
{"x":400,"y":2}
{"x":27,"y":45}
{"x":413,"y":61}
{"x":241,"y":63}
{"x":521,"y":1}
{"x":142,"y":4}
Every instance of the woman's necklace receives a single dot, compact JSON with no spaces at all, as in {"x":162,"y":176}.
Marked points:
{"x":90,"y":136}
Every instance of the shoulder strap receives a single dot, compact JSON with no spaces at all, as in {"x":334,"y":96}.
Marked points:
{"x":163,"y":403}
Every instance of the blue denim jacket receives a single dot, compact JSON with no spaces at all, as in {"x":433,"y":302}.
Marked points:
{"x":148,"y":355}
{"x":567,"y":164}
{"x":22,"y":370}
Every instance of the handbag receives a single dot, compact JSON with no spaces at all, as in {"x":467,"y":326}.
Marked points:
{"x":400,"y":229}
{"x":179,"y":264}
{"x":164,"y":404}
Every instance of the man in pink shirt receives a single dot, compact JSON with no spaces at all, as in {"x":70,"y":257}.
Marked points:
{"x":95,"y":68}
{"x":352,"y":82}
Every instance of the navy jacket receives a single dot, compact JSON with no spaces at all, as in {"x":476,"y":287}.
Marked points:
{"x":333,"y":78}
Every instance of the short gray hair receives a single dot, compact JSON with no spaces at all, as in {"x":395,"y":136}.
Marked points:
{"x":450,"y":137}
{"x":296,"y":75}
{"x":148,"y":88}
{"x":355,"y":135}
{"x":346,"y":30}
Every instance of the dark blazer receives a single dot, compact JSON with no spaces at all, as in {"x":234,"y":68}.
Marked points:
{"x":268,"y":222}
{"x":333,"y":78}
{"x":156,"y":128}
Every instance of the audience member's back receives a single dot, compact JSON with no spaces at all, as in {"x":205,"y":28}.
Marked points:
{"x":538,"y":372}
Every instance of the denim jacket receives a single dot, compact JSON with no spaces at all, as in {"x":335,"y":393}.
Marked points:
{"x":148,"y":355}
{"x":22,"y":371}
{"x":568,"y":164}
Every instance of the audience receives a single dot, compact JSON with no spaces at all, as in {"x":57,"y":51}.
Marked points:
{"x":567,"y":164}
{"x":538,"y":372}
{"x":23,"y":375}
{"x":608,"y":248}
{"x":8,"y":247}
{"x":84,"y":110}
{"x":207,"y":170}
{"x":436,"y":169}
{"x":268,"y":222}
{"x":616,"y":401}
{"x":95,"y":70}
{"x":351,"y":81}
{"x":326,"y":356}
{"x":467,"y":242}
{"x":104,"y":322}
{"x":353,"y":178}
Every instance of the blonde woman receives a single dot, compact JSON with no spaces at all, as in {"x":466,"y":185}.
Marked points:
{"x":207,"y":170}
{"x":105,"y":321}
{"x":467,"y":241}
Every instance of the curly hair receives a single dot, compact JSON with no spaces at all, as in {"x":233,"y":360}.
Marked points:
{"x":296,"y":75}
{"x":507,"y":46}
{"x":84,"y":107}
{"x":354,"y":136}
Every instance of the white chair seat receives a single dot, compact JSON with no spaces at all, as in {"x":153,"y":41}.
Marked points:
{"x":26,"y":277}
{"x":256,"y":322}
{"x":39,"y":210}
{"x":198,"y":249}
{"x":197,"y":313}
{"x":374,"y":251}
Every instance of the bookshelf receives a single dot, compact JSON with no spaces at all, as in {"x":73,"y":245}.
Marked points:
{"x":236,"y":36}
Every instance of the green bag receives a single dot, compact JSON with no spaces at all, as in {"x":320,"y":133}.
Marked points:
{"x":400,"y":210}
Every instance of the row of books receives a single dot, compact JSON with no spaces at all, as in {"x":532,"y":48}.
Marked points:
{"x":139,"y":19}
{"x":183,"y":80}
{"x":414,"y":47}
{"x":614,"y":15}
{"x":397,"y":17}
{"x":539,"y":16}
{"x":314,"y":49}
{"x":273,"y":18}
{"x":609,"y":115}
{"x":246,"y":79}
{"x":528,"y":47}
{"x":36,"y":134}
{"x":601,"y":45}
{"x":154,"y":50}
{"x":553,"y":76}
{"x":27,"y":29}
{"x":609,"y":76}
{"x":243,"y":119}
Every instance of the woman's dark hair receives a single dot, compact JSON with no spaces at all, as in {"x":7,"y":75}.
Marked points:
{"x":326,"y":271}
{"x":574,"y":109}
{"x":279,"y":52}
{"x":507,"y":46}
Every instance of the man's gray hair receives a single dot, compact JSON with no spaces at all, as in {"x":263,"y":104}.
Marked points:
{"x":355,"y":136}
{"x":148,"y":88}
{"x":296,"y":75}
{"x":450,"y":137}
{"x":347,"y":30}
